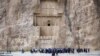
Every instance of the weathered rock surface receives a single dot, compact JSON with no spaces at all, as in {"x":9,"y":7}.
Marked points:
{"x":17,"y":30}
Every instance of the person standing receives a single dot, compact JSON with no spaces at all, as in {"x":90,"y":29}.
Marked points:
{"x":53,"y":52}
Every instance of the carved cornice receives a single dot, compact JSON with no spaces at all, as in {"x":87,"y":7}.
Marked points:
{"x":39,"y":13}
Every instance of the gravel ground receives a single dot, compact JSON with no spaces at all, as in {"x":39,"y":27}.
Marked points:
{"x":43,"y":54}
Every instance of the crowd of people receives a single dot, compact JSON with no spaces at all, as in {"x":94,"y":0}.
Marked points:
{"x":56,"y":51}
{"x":60,"y":50}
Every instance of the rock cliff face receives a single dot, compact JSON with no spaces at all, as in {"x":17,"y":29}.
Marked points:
{"x":85,"y":23}
{"x":81,"y":18}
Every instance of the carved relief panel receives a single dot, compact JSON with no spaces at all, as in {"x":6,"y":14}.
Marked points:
{"x":49,"y":20}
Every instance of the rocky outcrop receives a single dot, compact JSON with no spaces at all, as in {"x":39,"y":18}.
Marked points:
{"x":85,"y":23}
{"x":17,"y":30}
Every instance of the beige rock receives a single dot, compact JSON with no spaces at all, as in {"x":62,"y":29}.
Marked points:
{"x":44,"y":24}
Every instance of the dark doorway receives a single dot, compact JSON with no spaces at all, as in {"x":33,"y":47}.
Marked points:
{"x":49,"y":23}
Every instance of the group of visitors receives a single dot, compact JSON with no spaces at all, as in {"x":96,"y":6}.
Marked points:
{"x":55,"y":51}
{"x":60,"y":50}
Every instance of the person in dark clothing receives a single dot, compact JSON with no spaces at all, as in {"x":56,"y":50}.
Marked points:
{"x":46,"y":50}
{"x":88,"y":50}
{"x":85,"y":50}
{"x":22,"y":51}
{"x":78,"y":50}
{"x":56,"y":51}
{"x":32,"y":50}
{"x":41,"y":50}
{"x":49,"y":50}
{"x":72,"y":50}
{"x":8,"y":51}
{"x":53,"y":52}
{"x":68,"y":50}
